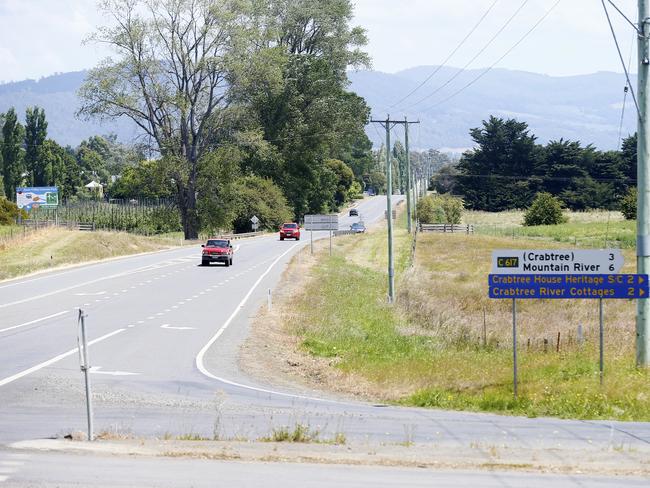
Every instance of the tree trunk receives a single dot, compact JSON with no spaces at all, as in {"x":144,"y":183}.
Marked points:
{"x":189,"y":213}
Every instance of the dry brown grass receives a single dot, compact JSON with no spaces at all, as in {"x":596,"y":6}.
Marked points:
{"x":446,"y":294}
{"x":50,"y":248}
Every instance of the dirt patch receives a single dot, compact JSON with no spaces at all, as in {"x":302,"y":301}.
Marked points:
{"x":273,"y":353}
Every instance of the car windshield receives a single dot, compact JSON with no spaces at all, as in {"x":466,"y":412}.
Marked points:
{"x":290,"y":226}
{"x":217,"y":243}
{"x":357,"y":226}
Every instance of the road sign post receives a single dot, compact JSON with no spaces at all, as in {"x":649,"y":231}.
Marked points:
{"x":514,"y":346}
{"x":562,"y":274}
{"x":328,"y":222}
{"x":255,"y":222}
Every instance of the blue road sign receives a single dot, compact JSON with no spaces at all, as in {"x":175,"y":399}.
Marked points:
{"x":568,"y":286}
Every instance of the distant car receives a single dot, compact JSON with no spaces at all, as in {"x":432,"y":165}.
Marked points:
{"x":358,"y":228}
{"x":217,"y":250}
{"x":354,"y":212}
{"x":290,"y":230}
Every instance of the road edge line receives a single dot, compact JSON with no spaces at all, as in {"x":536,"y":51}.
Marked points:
{"x":199,"y":357}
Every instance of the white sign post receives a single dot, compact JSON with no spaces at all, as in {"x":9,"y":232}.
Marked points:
{"x":255,"y":221}
{"x":328,"y":222}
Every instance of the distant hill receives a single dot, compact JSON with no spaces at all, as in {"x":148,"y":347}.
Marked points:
{"x":57,"y":94}
{"x":585,"y":108}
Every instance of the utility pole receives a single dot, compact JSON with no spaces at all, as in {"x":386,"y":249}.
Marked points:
{"x":409,"y":196}
{"x":643,"y":185}
{"x":388,"y":125}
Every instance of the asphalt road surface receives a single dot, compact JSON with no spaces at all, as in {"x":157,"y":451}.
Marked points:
{"x":49,"y":470}
{"x":164,"y":335}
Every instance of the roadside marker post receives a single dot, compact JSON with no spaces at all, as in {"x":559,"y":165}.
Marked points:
{"x":82,"y":347}
{"x":562,"y":274}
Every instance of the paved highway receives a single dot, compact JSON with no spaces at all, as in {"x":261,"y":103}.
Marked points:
{"x":165,"y":334}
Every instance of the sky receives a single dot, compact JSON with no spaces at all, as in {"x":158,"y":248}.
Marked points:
{"x":42,"y":37}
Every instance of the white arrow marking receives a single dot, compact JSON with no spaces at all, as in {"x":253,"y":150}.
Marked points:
{"x":167,"y":326}
{"x":96,"y":370}
{"x":90,"y":294}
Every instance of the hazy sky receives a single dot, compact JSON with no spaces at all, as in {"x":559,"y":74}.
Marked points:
{"x":41,"y":37}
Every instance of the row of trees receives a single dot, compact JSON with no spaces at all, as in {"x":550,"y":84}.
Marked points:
{"x":508,"y":168}
{"x":228,"y":91}
{"x":29,"y":158}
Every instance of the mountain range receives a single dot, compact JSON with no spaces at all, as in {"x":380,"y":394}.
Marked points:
{"x":586,"y":108}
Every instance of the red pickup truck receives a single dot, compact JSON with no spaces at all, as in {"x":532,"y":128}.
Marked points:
{"x":219,"y":250}
{"x":290,"y":230}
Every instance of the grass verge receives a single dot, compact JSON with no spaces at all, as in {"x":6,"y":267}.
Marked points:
{"x":446,"y":345}
{"x":50,"y":248}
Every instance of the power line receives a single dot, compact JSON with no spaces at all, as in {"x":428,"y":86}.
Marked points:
{"x":620,"y":56}
{"x":484,"y":72}
{"x":481,"y":51}
{"x":625,"y":90}
{"x":438,"y":68}
{"x":634,"y":26}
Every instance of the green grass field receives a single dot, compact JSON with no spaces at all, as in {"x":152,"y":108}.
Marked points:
{"x":444,"y":344}
{"x":595,"y":229}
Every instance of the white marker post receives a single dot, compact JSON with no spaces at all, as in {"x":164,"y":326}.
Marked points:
{"x":82,"y":347}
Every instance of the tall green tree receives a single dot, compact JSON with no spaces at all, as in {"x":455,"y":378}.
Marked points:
{"x":298,"y":94}
{"x":12,"y":153}
{"x":39,"y":173}
{"x":176,"y":69}
{"x":495,"y":175}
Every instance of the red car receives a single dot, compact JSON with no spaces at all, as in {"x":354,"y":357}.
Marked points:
{"x":290,"y":230}
{"x":219,"y":250}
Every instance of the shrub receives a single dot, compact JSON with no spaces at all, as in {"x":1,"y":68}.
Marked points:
{"x":628,"y":204}
{"x":440,"y":209}
{"x":545,"y":210}
{"x":9,"y":212}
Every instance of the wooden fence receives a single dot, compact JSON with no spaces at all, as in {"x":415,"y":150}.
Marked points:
{"x":453,"y":228}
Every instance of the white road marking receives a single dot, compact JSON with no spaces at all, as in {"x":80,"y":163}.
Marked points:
{"x":96,"y":370}
{"x":34,"y":321}
{"x":199,"y":357}
{"x":151,"y":317}
{"x":56,"y":359}
{"x":140,"y":321}
{"x":3,"y":478}
{"x":72,"y":287}
{"x":160,"y":313}
{"x":174,"y":306}
{"x":130,"y":326}
{"x":90,"y":294}
{"x":167,"y":326}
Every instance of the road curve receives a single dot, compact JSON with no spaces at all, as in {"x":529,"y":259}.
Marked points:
{"x":165,"y":334}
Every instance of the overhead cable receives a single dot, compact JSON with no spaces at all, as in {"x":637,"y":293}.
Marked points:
{"x":620,"y":56}
{"x":481,"y":51}
{"x":485,"y":71}
{"x":438,"y":68}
